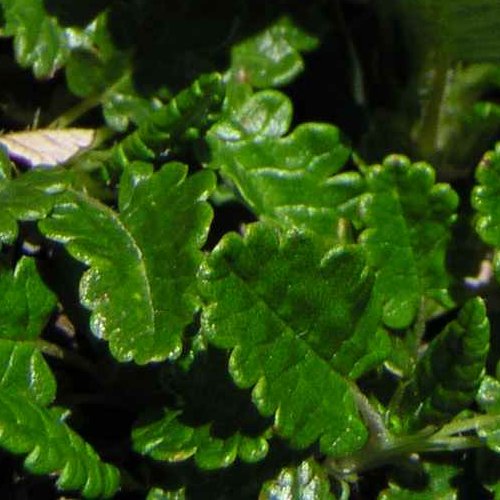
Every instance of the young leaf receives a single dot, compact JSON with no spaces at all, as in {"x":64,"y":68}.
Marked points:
{"x":307,"y":480}
{"x":285,"y":309}
{"x":449,"y":373}
{"x":485,"y":198}
{"x":52,"y":447}
{"x":170,"y":440}
{"x":408,"y":219}
{"x":289,"y":180}
{"x":272,"y":58}
{"x":143,"y":262}
{"x":190,"y":108}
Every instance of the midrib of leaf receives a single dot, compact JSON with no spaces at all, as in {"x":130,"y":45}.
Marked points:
{"x":287,"y":327}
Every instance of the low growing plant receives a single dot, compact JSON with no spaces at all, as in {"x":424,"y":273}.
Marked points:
{"x":213,"y":299}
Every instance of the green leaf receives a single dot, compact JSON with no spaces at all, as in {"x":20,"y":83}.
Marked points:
{"x":124,"y":105}
{"x":24,"y":370}
{"x":307,"y":480}
{"x":29,"y":197}
{"x":25,"y":306}
{"x":159,"y":494}
{"x":26,"y":302}
{"x":408,"y":219}
{"x":488,"y":399}
{"x":143,"y":262}
{"x":167,"y":125}
{"x":448,"y":375}
{"x":168,"y":439}
{"x":39,"y":41}
{"x":485,"y":200}
{"x":285,"y":310}
{"x":52,"y":447}
{"x":289,"y":180}
{"x":438,"y":484}
{"x":272,"y":58}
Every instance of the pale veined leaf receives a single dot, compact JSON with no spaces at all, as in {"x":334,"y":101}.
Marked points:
{"x":47,"y":147}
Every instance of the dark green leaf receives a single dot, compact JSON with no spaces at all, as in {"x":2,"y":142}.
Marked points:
{"x":448,"y":375}
{"x":142,"y":262}
{"x":190,"y":108}
{"x":408,"y":218}
{"x":286,"y":310}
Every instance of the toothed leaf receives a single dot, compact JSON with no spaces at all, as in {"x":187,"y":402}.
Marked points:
{"x":276,"y":302}
{"x":408,"y":219}
{"x":289,"y":180}
{"x":143,"y":261}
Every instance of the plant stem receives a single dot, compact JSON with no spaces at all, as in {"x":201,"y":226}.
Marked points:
{"x":68,"y":356}
{"x":426,"y":137}
{"x":72,"y":114}
{"x":381,"y":452}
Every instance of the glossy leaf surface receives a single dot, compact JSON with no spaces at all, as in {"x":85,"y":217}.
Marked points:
{"x":289,"y":180}
{"x":168,"y":439}
{"x":275,"y":301}
{"x":26,"y":302}
{"x":272,"y":58}
{"x":408,"y":219}
{"x":143,"y":262}
{"x":307,"y":480}
{"x":52,"y":447}
{"x":29,"y":197}
{"x":485,"y":198}
{"x":488,"y":398}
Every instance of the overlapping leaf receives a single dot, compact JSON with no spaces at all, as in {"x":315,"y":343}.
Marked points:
{"x":272,"y":58}
{"x":143,"y":262}
{"x":29,"y":197}
{"x":52,"y":447}
{"x":190,"y":108}
{"x":168,"y":439}
{"x":290,"y":179}
{"x":408,"y":219}
{"x":27,"y":386}
{"x":307,"y":480}
{"x":286,"y":311}
{"x":24,"y":309}
{"x":448,"y":375}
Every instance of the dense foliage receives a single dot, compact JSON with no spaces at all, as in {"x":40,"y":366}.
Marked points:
{"x":234,"y":291}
